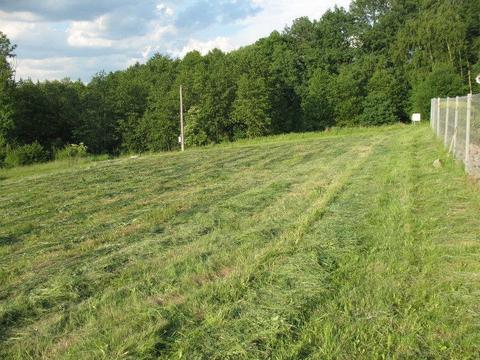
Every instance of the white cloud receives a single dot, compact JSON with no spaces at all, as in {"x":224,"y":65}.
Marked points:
{"x":164,"y":9}
{"x":18,"y":16}
{"x":88,"y":33}
{"x":16,"y":29}
{"x":204,"y":47}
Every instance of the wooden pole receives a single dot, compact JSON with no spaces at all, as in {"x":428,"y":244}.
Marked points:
{"x":182,"y":135}
{"x":470,"y":79}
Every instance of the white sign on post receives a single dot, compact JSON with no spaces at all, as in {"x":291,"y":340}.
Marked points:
{"x":180,"y":139}
{"x":477,"y":79}
{"x":416,"y":117}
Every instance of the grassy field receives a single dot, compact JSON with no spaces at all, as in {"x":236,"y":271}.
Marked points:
{"x":340,"y":245}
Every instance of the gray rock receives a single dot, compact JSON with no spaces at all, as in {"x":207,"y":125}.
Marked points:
{"x":437,"y":164}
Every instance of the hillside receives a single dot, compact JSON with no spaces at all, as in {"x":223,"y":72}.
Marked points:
{"x":347,"y":244}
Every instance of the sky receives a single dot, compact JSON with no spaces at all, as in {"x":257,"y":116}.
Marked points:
{"x":78,"y":38}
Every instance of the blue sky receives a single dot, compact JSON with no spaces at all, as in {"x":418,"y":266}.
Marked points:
{"x":77,"y":38}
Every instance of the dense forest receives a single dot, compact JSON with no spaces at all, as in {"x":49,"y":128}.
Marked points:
{"x":372,"y":64}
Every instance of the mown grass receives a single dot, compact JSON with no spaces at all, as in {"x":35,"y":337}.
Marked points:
{"x":342,"y":245}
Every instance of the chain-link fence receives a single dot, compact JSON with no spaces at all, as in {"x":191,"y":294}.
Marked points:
{"x":457,"y":122}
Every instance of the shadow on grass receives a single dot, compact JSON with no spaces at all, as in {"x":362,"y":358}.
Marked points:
{"x":8,"y":240}
{"x":166,"y":336}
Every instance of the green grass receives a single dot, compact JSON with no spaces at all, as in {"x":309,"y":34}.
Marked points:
{"x":342,"y":245}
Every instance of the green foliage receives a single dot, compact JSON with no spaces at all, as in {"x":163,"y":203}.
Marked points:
{"x":3,"y":151}
{"x":251,"y":108}
{"x":161,"y":121}
{"x":194,"y":133}
{"x":317,"y":106}
{"x":348,"y":93}
{"x":441,"y":82}
{"x":435,"y":34}
{"x":382,"y":105}
{"x":7,"y":124}
{"x":72,"y":151}
{"x":474,"y":73}
{"x":25,"y":155}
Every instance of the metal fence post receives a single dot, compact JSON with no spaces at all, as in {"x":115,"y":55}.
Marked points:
{"x":447,"y":113}
{"x":432,"y":102}
{"x":467,"y":137}
{"x":455,"y":129}
{"x":438,"y":117}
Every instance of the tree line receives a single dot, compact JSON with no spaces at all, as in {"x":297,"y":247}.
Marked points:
{"x":372,"y":64}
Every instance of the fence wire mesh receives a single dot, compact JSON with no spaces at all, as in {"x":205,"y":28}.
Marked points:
{"x":459,"y":145}
{"x":474,"y":165}
{"x":456,"y":121}
{"x":441,"y":117}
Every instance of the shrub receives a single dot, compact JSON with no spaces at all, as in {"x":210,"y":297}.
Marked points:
{"x":384,"y":103}
{"x":72,"y":151}
{"x":25,"y":155}
{"x":3,"y":151}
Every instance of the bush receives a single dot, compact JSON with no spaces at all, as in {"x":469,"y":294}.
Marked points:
{"x":72,"y":151}
{"x":3,"y":151}
{"x":25,"y":155}
{"x":384,"y":103}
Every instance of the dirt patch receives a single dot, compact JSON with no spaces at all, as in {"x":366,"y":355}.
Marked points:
{"x":203,"y":279}
{"x":130,"y":229}
{"x":168,"y":299}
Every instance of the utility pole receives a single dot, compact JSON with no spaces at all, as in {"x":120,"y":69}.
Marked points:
{"x":182,"y":135}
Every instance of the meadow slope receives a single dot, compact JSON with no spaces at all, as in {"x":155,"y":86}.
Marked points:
{"x":339,"y":245}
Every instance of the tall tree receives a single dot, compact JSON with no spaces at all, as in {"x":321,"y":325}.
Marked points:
{"x":317,"y":106}
{"x":251,"y":108}
{"x":6,"y":89}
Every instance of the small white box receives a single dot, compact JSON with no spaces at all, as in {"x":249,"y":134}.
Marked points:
{"x":416,"y":117}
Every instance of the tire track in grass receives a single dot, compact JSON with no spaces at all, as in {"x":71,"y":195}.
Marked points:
{"x":344,"y":294}
{"x":384,"y":301}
